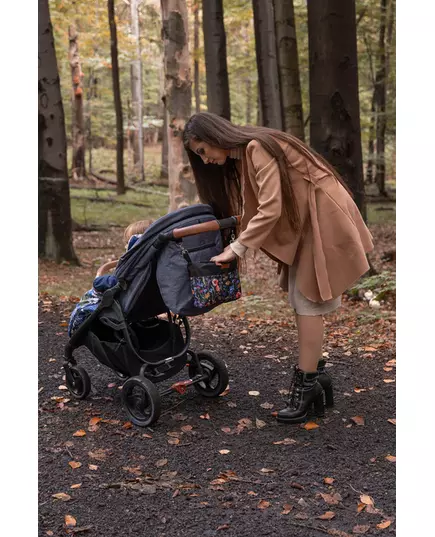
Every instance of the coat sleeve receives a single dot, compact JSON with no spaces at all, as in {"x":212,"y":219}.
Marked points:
{"x":267,"y":184}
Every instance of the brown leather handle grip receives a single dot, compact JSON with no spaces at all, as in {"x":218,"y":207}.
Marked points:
{"x":213,"y":225}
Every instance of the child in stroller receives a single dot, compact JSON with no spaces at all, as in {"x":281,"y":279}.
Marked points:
{"x":166,"y":271}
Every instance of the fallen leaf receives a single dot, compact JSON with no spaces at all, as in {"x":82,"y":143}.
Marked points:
{"x":175,"y":434}
{"x":226,"y":430}
{"x":62,"y":387}
{"x":301,"y":516}
{"x":328,"y":480}
{"x":267,"y":471}
{"x":263,"y":504}
{"x":348,"y":353}
{"x":302,"y":503}
{"x":74,"y":464}
{"x":62,"y":496}
{"x":186,"y":428}
{"x":252,"y":493}
{"x":225,"y":392}
{"x":49,"y":533}
{"x":81,"y":432}
{"x":93,"y":421}
{"x":259,"y":423}
{"x":92,"y":467}
{"x":391,"y":420}
{"x":173,"y":441}
{"x":205,"y":416}
{"x":391,"y":458}
{"x":372,"y":510}
{"x":127,"y":425}
{"x":76,"y":486}
{"x":384,"y":524}
{"x":98,"y":454}
{"x":223,"y":527}
{"x":388,"y":369}
{"x":224,"y":451}
{"x":266,"y":405}
{"x":358,"y":420}
{"x":145,"y":435}
{"x":310,"y":425}
{"x":70,"y":521}
{"x":387,"y":381}
{"x":254,"y":393}
{"x":112,"y":385}
{"x":360,"y":529}
{"x":359,"y":390}
{"x":370,"y":349}
{"x":286,"y":509}
{"x":286,"y":442}
{"x":133,"y":470}
{"x":245,"y":422}
{"x":243,"y":332}
{"x":391,"y":362}
{"x":329,"y":515}
{"x":295,"y":485}
{"x":161,"y":462}
{"x":360,"y":507}
{"x":331,"y":499}
{"x":368,"y":500}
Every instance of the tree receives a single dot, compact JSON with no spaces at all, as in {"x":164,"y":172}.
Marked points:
{"x":120,"y":183}
{"x":54,"y":213}
{"x":215,"y":48}
{"x":288,"y":68}
{"x":78,"y":122}
{"x":195,"y":8}
{"x":177,"y":99}
{"x":268,"y":77}
{"x":334,"y":101}
{"x":136,"y":94}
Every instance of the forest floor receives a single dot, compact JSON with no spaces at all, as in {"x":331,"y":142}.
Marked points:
{"x":224,"y":466}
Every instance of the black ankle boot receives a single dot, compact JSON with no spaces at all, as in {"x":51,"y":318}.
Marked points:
{"x":326,"y":382}
{"x":305,"y":391}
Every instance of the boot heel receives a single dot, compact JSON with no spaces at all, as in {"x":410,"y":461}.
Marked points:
{"x":319,"y":406}
{"x":329,"y":396}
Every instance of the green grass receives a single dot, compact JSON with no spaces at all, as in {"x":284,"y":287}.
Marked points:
{"x":379,"y":213}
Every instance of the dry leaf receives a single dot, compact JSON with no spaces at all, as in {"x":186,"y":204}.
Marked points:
{"x":391,"y":458}
{"x":245,"y":422}
{"x":370,"y":349}
{"x":387,"y":381}
{"x":205,"y":416}
{"x":310,"y":425}
{"x":329,"y":515}
{"x":267,"y":471}
{"x":243,"y":332}
{"x":286,"y":509}
{"x":127,"y":425}
{"x":92,"y":467}
{"x":173,"y":441}
{"x":259,"y":423}
{"x":186,"y":428}
{"x":358,"y":420}
{"x":360,"y":529}
{"x":359,"y":390}
{"x":391,"y":362}
{"x":225,"y":392}
{"x":135,"y":471}
{"x":175,"y":434}
{"x":263,"y":504}
{"x":360,"y":507}
{"x":384,"y":524}
{"x":368,"y":500}
{"x":328,"y":480}
{"x":49,"y":533}
{"x":98,"y":454}
{"x":391,"y":420}
{"x":301,"y":516}
{"x":62,"y":496}
{"x":70,"y":521}
{"x":252,"y":493}
{"x":161,"y":462}
{"x":226,"y":430}
{"x":254,"y":393}
{"x":62,"y":387}
{"x":266,"y":405}
{"x":224,"y":526}
{"x":145,"y":435}
{"x":295,"y":485}
{"x":81,"y":432}
{"x":224,"y":451}
{"x":74,"y":464}
{"x":286,"y":442}
{"x":331,"y":499}
{"x":76,"y":486}
{"x":388,"y":369}
{"x":93,"y":421}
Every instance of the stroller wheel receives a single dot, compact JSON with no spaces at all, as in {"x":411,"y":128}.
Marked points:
{"x":217,"y":373}
{"x":141,"y":400}
{"x":77,"y":381}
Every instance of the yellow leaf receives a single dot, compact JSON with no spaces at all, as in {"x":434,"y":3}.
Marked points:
{"x":263,"y":504}
{"x":310,"y":425}
{"x":70,"y":521}
{"x":74,"y":464}
{"x":367,"y":500}
{"x":81,"y":432}
{"x":384,"y":524}
{"x":329,"y":515}
{"x":62,"y":496}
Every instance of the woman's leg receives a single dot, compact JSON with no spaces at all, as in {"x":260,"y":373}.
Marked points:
{"x":310,"y":339}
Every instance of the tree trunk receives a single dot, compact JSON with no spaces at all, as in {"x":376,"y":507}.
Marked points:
{"x":54,"y":211}
{"x":195,"y":8}
{"x":78,"y":122}
{"x":267,"y":65}
{"x":120,"y":184}
{"x":334,"y":102}
{"x":215,"y":49}
{"x":288,"y":68}
{"x":165,"y":149}
{"x":178,"y":95}
{"x":136,"y":95}
{"x":371,"y":142}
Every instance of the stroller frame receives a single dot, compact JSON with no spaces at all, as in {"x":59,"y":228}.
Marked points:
{"x":140,"y":396}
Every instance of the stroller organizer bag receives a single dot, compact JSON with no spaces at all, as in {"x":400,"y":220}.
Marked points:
{"x":167,"y":271}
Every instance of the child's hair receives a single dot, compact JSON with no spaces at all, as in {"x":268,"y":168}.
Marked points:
{"x":136,"y":228}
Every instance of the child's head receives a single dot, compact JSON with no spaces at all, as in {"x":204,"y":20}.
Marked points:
{"x":136,"y":228}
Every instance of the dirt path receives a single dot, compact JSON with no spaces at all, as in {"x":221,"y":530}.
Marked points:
{"x":172,"y":480}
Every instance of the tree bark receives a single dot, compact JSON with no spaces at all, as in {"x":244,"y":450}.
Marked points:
{"x":177,"y":98}
{"x":54,"y":211}
{"x":334,"y":102}
{"x":215,"y":49}
{"x":78,"y":122}
{"x":120,"y":187}
{"x":136,"y":95}
{"x":195,"y":8}
{"x":267,"y":65}
{"x":288,"y":68}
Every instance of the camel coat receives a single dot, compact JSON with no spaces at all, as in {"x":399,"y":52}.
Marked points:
{"x":330,"y":251}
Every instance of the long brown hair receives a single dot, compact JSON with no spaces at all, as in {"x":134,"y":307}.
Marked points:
{"x":219,"y":186}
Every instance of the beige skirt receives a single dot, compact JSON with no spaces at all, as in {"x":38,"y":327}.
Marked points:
{"x":304,"y":306}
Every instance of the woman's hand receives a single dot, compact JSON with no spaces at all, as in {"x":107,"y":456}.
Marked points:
{"x":225,"y":257}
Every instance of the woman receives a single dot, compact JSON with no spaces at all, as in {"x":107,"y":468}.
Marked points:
{"x":298,"y":211}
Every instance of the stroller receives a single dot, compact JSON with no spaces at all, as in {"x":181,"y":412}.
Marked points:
{"x":139,"y":329}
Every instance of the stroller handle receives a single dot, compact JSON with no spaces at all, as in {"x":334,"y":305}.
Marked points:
{"x":213,"y":225}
